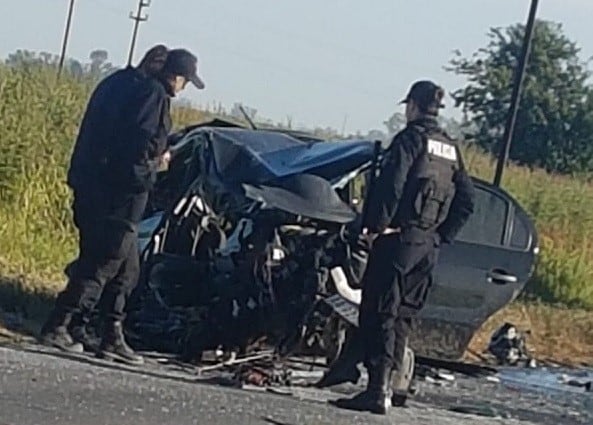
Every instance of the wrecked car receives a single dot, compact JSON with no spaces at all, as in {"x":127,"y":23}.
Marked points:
{"x":251,"y":238}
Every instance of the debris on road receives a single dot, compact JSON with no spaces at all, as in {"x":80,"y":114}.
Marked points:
{"x":508,"y":346}
{"x":233,"y":360}
{"x":586,"y":384}
{"x":479,"y":410}
{"x":253,"y":375}
{"x":468,"y":369}
{"x":445,"y":376}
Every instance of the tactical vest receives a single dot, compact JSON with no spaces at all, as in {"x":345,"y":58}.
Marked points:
{"x":429,"y":188}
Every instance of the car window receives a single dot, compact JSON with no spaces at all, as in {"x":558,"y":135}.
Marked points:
{"x":487,"y":224}
{"x":520,"y":233}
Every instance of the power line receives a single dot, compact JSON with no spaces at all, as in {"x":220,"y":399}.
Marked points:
{"x":66,"y":36}
{"x":137,"y":18}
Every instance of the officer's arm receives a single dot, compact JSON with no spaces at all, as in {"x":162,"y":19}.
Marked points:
{"x":389,"y":186}
{"x":148,"y":140}
{"x":159,"y":144}
{"x":462,"y":205}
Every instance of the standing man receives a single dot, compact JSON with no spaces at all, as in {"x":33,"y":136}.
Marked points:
{"x":150,"y":66}
{"x":121,"y":142}
{"x":422,"y":197}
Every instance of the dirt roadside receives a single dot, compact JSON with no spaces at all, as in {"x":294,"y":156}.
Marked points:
{"x":556,"y":335}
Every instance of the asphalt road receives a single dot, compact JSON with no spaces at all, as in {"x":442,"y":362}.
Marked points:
{"x":43,"y":388}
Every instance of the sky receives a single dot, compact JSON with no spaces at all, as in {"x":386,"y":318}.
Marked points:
{"x":343,"y":64}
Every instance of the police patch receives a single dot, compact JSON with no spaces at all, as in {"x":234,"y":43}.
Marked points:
{"x":443,"y":150}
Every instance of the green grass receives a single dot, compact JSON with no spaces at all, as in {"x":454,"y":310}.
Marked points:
{"x":39,"y":118}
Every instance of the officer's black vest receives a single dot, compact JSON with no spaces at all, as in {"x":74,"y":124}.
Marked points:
{"x":429,"y":188}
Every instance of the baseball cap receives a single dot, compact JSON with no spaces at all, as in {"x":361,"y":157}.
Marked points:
{"x":426,"y":94}
{"x":182,"y":62}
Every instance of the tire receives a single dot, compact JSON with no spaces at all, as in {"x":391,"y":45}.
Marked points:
{"x":401,"y":380}
{"x":333,"y":338}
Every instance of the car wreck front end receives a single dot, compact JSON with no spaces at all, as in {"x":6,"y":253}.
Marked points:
{"x":247,"y":235}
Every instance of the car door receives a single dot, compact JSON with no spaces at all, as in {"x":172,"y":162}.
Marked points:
{"x":482,"y":271}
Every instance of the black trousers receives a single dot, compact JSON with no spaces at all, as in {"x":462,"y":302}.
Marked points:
{"x":108,"y":265}
{"x":395,"y":285}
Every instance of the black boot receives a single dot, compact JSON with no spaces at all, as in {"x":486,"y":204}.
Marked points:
{"x":343,"y":370}
{"x":79,"y":331}
{"x":114,"y":347}
{"x":54,"y":332}
{"x":344,"y":367}
{"x":375,"y":398}
{"x":339,"y":374}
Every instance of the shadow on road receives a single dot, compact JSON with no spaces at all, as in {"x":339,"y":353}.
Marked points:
{"x":22,"y":308}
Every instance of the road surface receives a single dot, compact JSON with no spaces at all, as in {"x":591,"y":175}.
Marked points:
{"x":45,"y":388}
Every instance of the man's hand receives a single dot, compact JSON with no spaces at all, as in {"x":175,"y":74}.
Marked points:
{"x":367,"y":236}
{"x":164,"y":161}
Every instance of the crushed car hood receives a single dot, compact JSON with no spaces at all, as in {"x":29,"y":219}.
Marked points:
{"x":303,"y":194}
{"x":244,"y":156}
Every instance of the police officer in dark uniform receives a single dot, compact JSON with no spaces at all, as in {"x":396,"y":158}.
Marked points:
{"x":422,"y":198}
{"x":121,"y":143}
{"x":150,"y":66}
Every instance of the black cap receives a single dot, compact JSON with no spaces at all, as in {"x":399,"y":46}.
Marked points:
{"x":426,"y":94}
{"x":182,"y":62}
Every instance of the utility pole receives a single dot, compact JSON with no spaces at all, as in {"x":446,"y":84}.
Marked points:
{"x":66,"y":36}
{"x":137,"y":18}
{"x":516,"y":96}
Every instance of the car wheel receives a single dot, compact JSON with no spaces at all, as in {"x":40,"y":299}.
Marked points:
{"x":401,"y":380}
{"x":333,"y":338}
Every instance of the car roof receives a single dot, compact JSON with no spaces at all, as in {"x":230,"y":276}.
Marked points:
{"x":225,"y":123}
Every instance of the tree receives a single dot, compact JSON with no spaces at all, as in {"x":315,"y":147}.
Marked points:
{"x":460,"y":130}
{"x":22,"y":58}
{"x":99,"y":67}
{"x":453,"y":127}
{"x":395,"y":123}
{"x":555,"y":117}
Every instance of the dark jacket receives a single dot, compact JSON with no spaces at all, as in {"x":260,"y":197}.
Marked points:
{"x":123,"y":132}
{"x":386,"y":205}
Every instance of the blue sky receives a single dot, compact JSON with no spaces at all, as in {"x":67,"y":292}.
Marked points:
{"x":320,"y":62}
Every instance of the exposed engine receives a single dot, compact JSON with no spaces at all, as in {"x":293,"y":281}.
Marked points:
{"x":203,"y":288}
{"x":252,"y":239}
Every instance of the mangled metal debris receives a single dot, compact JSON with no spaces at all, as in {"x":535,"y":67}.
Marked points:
{"x":585,"y":382}
{"x":484,"y":410}
{"x":234,"y":361}
{"x":508,"y":346}
{"x":271,"y":376}
{"x":434,"y":376}
{"x":254,"y":235}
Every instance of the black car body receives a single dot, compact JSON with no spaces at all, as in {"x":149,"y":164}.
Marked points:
{"x":253,"y":233}
{"x":485,"y":269}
